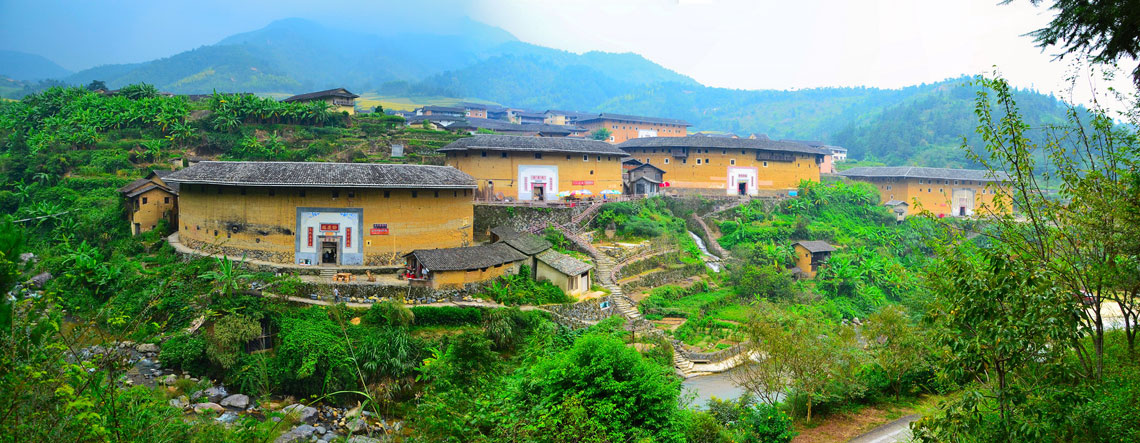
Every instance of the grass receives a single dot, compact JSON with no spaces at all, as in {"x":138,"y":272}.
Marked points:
{"x":736,"y":313}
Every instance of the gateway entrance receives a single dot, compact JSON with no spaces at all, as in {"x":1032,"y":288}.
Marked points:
{"x":329,"y":252}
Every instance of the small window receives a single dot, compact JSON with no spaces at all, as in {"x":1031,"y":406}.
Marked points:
{"x":351,"y":194}
{"x":568,"y":157}
{"x":387,"y":194}
{"x":940,"y":190}
{"x":698,"y":161}
{"x":646,"y":159}
{"x":455,"y":193}
{"x":724,"y":152}
{"x":482,"y":153}
{"x":742,"y":152}
{"x":599,"y":158}
{"x":144,"y":200}
{"x":302,"y":193}
{"x":732,"y":161}
{"x":921,"y":182}
{"x":591,"y":172}
{"x":585,"y":158}
{"x":219,"y":190}
{"x":272,"y":192}
{"x":888,"y":187}
{"x":666,"y":160}
{"x":684,"y":161}
{"x":336,"y":194}
{"x":415,"y":194}
{"x":707,"y":161}
{"x":504,"y":155}
{"x":611,"y":138}
{"x":765,"y":164}
{"x":166,"y":200}
{"x":436,"y":194}
{"x":929,"y":190}
{"x":538,"y":155}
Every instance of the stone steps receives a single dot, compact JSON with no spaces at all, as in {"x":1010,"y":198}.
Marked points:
{"x":328,"y":273}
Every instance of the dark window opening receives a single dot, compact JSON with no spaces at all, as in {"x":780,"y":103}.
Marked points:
{"x":387,"y":194}
{"x":436,"y":194}
{"x":335,"y":194}
{"x":483,"y":153}
{"x":537,"y":155}
{"x":351,"y":194}
{"x":166,"y":200}
{"x":415,"y":194}
{"x":504,"y":155}
{"x":302,"y":193}
{"x":144,"y":200}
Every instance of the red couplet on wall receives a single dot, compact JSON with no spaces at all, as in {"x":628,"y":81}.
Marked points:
{"x":348,"y":236}
{"x":310,"y":236}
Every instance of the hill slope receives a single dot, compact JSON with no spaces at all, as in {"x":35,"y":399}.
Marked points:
{"x":29,"y":67}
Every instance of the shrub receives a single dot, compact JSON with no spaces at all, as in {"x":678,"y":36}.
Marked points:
{"x":231,"y":333}
{"x":446,"y":316}
{"x":389,"y":313}
{"x":184,"y":351}
{"x":763,"y":423}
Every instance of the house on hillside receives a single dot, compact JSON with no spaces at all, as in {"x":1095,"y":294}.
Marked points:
{"x":442,"y":111}
{"x":339,"y":99}
{"x":150,"y":200}
{"x":941,"y":191}
{"x":474,"y":110}
{"x":727,"y":166}
{"x":566,"y":272}
{"x":556,"y":117}
{"x":454,"y":268}
{"x":810,"y":255}
{"x":517,"y":168}
{"x":643,"y":180}
{"x":827,"y":165}
{"x":628,"y":127}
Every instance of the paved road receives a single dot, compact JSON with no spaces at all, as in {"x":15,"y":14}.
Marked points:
{"x":895,"y":431}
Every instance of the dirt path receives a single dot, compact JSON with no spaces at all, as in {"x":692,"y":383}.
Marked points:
{"x":847,"y":426}
{"x":895,"y":431}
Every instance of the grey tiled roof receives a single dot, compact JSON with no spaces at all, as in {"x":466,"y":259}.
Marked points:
{"x":468,"y":257}
{"x":338,"y":92}
{"x":504,"y":232}
{"x":535,"y":144}
{"x":326,"y":175}
{"x":815,"y":246}
{"x":563,"y":263}
{"x":637,"y":119}
{"x":928,"y":173}
{"x":719,"y":143}
{"x":528,"y":244}
{"x":499,"y":125}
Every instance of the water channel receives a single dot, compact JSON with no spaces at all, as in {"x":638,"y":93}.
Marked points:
{"x":712,"y":261}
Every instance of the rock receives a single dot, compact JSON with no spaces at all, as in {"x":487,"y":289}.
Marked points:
{"x":306,"y":414}
{"x":147,"y":347}
{"x":356,"y":425}
{"x":208,"y":406}
{"x":321,"y":430}
{"x":178,"y":403}
{"x":216,"y":393}
{"x":40,"y":279}
{"x":361,"y":439}
{"x":237,"y":401}
{"x":27,"y":256}
{"x":298,"y":434}
{"x":227,"y":417}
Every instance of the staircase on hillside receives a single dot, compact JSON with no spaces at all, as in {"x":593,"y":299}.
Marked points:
{"x":327,"y":273}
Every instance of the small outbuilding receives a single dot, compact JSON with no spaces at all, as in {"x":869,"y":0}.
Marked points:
{"x":643,"y":180}
{"x":811,"y":254}
{"x":149,"y":200}
{"x":452,"y":268}
{"x":339,"y":99}
{"x":566,"y":272}
{"x":898,"y":207}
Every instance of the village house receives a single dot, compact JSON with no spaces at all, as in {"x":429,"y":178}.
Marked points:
{"x":474,"y":110}
{"x":941,"y":191}
{"x":644,"y":179}
{"x":566,"y":272}
{"x":149,"y":200}
{"x":472,"y":125}
{"x":323,"y":213}
{"x":628,"y":127}
{"x":454,"y":268}
{"x":727,"y":166}
{"x":442,"y":111}
{"x":827,"y":166}
{"x":338,"y":99}
{"x":517,"y":168}
{"x":523,"y":117}
{"x":838,"y":153}
{"x":556,"y":117}
{"x":810,"y":255}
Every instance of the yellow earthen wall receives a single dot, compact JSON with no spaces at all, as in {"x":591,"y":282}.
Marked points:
{"x":457,"y":279}
{"x":159,"y":204}
{"x":571,"y":167}
{"x":712,"y":174}
{"x":934,"y":195}
{"x":621,"y":131}
{"x":267,"y":223}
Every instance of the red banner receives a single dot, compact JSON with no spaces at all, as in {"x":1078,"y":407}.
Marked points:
{"x":310,"y":236}
{"x":348,"y":237}
{"x":582,"y":182}
{"x":330,"y":226}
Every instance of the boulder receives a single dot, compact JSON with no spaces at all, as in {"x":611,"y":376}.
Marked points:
{"x":296,"y":435}
{"x":178,"y":403}
{"x":305,"y":414}
{"x":40,"y":279}
{"x":227,"y":417}
{"x":27,"y":256}
{"x":147,"y":347}
{"x":356,"y":425}
{"x":208,"y":406}
{"x":362,"y":439}
{"x":216,"y":393}
{"x":237,"y":401}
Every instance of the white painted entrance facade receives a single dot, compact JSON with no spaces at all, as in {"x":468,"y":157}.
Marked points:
{"x":741,"y":179}
{"x":962,"y":202}
{"x":318,"y":227}
{"x":643,"y":133}
{"x":538,"y":182}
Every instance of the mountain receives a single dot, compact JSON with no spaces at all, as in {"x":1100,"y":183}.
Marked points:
{"x":29,"y":67}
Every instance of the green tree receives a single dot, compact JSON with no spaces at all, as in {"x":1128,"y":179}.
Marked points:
{"x":226,"y":275}
{"x":602,"y":134}
{"x":897,"y":346}
{"x":97,"y":85}
{"x":231,"y":333}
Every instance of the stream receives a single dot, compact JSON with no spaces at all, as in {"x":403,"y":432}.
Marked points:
{"x":712,"y":261}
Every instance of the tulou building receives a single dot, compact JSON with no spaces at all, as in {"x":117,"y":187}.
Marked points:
{"x":521,"y":168}
{"x":323,"y":213}
{"x":942,"y":191}
{"x":727,"y":166}
{"x":628,"y":127}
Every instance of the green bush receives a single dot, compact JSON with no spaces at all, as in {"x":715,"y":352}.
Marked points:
{"x":521,"y":289}
{"x":184,"y":351}
{"x":763,"y":423}
{"x":389,"y":313}
{"x":447,"y":316}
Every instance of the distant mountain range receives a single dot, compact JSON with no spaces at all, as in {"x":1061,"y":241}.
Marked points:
{"x":918,"y":124}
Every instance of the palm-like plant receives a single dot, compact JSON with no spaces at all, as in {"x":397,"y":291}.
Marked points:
{"x":227,"y":276}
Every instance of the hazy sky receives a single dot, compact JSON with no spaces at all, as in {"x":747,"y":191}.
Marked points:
{"x":747,"y":44}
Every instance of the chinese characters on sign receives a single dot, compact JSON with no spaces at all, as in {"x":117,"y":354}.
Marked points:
{"x":330,"y":226}
{"x":310,"y":236}
{"x":348,"y":236}
{"x":582,"y":182}
{"x":379,"y":229}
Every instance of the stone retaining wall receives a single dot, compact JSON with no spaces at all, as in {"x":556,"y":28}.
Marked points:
{"x":588,"y":311}
{"x":520,"y":217}
{"x":655,"y":279}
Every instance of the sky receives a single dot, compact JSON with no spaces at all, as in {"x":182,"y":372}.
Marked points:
{"x":743,"y":44}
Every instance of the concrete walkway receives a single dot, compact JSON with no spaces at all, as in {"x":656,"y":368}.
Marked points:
{"x":471,"y":304}
{"x":895,"y":431}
